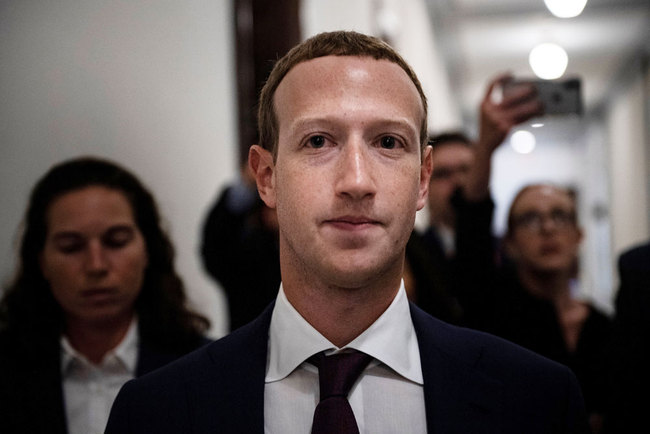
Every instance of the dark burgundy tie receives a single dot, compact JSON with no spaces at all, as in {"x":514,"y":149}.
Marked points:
{"x":336,"y":375}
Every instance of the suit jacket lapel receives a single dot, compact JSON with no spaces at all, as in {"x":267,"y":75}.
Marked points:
{"x":458,"y":398}
{"x":40,"y":396}
{"x":232,"y":388}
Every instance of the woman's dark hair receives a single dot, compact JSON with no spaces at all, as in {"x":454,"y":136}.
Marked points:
{"x":28,"y":307}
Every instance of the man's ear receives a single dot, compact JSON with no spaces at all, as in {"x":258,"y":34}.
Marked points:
{"x":260,"y":162}
{"x":426,"y":168}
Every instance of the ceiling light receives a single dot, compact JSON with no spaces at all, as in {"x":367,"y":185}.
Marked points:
{"x":549,"y":61}
{"x":522,"y":141}
{"x":565,"y":8}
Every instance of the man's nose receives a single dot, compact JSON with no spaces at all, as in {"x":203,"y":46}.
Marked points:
{"x":355,"y":175}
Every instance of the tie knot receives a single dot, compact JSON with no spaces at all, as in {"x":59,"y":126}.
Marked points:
{"x":337,"y":373}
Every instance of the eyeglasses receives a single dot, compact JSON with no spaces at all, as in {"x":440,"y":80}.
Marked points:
{"x":533,"y":221}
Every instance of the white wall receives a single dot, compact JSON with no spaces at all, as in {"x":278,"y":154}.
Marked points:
{"x":147,"y":83}
{"x":629,"y":172}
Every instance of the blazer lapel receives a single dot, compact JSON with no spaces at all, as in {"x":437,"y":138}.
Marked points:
{"x":230,"y":396}
{"x":458,"y":398}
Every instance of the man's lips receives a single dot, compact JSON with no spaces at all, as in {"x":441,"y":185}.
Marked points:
{"x":352,"y":222}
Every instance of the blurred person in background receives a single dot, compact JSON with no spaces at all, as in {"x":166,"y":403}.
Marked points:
{"x":527,"y":298}
{"x":629,"y":375}
{"x":240,"y":249}
{"x":453,"y":155}
{"x":95,"y":300}
{"x":431,"y":254}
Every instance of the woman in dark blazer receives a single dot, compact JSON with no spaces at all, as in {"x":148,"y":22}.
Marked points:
{"x":95,"y":297}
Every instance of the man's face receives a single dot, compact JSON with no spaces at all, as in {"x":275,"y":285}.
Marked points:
{"x":348,"y":178}
{"x":544,"y":237}
{"x":451,"y":164}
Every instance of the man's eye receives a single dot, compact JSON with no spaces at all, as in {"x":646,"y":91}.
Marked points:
{"x":388,"y":142}
{"x":317,"y":141}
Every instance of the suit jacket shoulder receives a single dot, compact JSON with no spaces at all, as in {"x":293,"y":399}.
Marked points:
{"x":217,"y":388}
{"x":476,"y":382}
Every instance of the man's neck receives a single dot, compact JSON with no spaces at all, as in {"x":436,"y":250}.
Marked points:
{"x":340,"y":314}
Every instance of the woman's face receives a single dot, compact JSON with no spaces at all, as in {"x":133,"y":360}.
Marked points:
{"x":545,"y":237}
{"x":94,"y":256}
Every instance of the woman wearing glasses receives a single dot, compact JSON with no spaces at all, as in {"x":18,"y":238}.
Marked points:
{"x":528,"y":297}
{"x":524,"y":291}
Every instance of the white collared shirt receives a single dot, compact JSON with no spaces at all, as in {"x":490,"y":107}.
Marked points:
{"x":88,"y":389}
{"x":387,"y":398}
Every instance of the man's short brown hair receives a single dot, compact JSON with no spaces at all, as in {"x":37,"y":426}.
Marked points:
{"x":340,"y":43}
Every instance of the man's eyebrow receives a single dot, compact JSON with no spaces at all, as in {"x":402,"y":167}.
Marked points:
{"x":308,"y":123}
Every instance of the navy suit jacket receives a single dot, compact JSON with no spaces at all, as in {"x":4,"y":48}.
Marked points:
{"x":473,"y":383}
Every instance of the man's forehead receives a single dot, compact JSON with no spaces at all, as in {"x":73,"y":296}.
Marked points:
{"x":343,"y":79}
{"x":354,"y":68}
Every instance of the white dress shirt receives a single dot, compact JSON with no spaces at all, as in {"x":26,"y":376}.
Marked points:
{"x":388,"y":397}
{"x":88,"y":389}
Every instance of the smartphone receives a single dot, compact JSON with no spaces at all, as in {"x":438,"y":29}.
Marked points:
{"x":559,"y":97}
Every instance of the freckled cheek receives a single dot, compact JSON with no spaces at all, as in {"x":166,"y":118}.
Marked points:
{"x":406,"y":192}
{"x":297,"y":195}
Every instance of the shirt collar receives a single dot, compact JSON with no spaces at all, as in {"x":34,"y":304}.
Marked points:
{"x":126,"y":352}
{"x":390,"y":339}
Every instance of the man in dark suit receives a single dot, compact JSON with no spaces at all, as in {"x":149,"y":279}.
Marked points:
{"x":630,"y":352}
{"x":343,"y":158}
